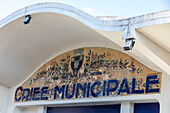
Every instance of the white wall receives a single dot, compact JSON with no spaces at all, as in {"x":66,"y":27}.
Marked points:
{"x":11,"y":106}
{"x":30,"y":110}
{"x":127,"y":107}
{"x":3,"y":99}
{"x":165,"y":94}
{"x":17,"y":110}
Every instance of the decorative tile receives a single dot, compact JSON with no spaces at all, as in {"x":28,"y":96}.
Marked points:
{"x":89,"y":73}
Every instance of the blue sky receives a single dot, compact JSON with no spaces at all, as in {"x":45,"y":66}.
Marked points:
{"x":122,"y":8}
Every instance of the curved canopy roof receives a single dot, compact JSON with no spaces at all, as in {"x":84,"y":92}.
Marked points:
{"x":57,"y":28}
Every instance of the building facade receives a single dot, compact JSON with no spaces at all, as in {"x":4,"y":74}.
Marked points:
{"x":66,"y":61}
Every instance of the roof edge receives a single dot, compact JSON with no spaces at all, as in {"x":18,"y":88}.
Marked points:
{"x":95,"y":23}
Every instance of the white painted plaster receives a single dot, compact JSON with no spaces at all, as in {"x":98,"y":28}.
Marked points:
{"x":42,"y":109}
{"x":17,"y":110}
{"x":3,"y":99}
{"x":127,"y":107}
{"x":105,"y":28}
{"x":31,"y":110}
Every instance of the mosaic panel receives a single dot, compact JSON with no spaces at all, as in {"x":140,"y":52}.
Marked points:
{"x":89,"y":73}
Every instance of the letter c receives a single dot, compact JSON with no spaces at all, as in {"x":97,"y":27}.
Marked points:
{"x":18,"y":99}
{"x":98,"y":83}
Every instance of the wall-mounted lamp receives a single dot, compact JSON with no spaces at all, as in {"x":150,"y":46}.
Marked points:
{"x":129,"y":43}
{"x":27,"y":19}
{"x":128,"y":35}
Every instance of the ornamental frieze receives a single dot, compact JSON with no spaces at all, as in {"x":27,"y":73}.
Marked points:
{"x":89,"y":73}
